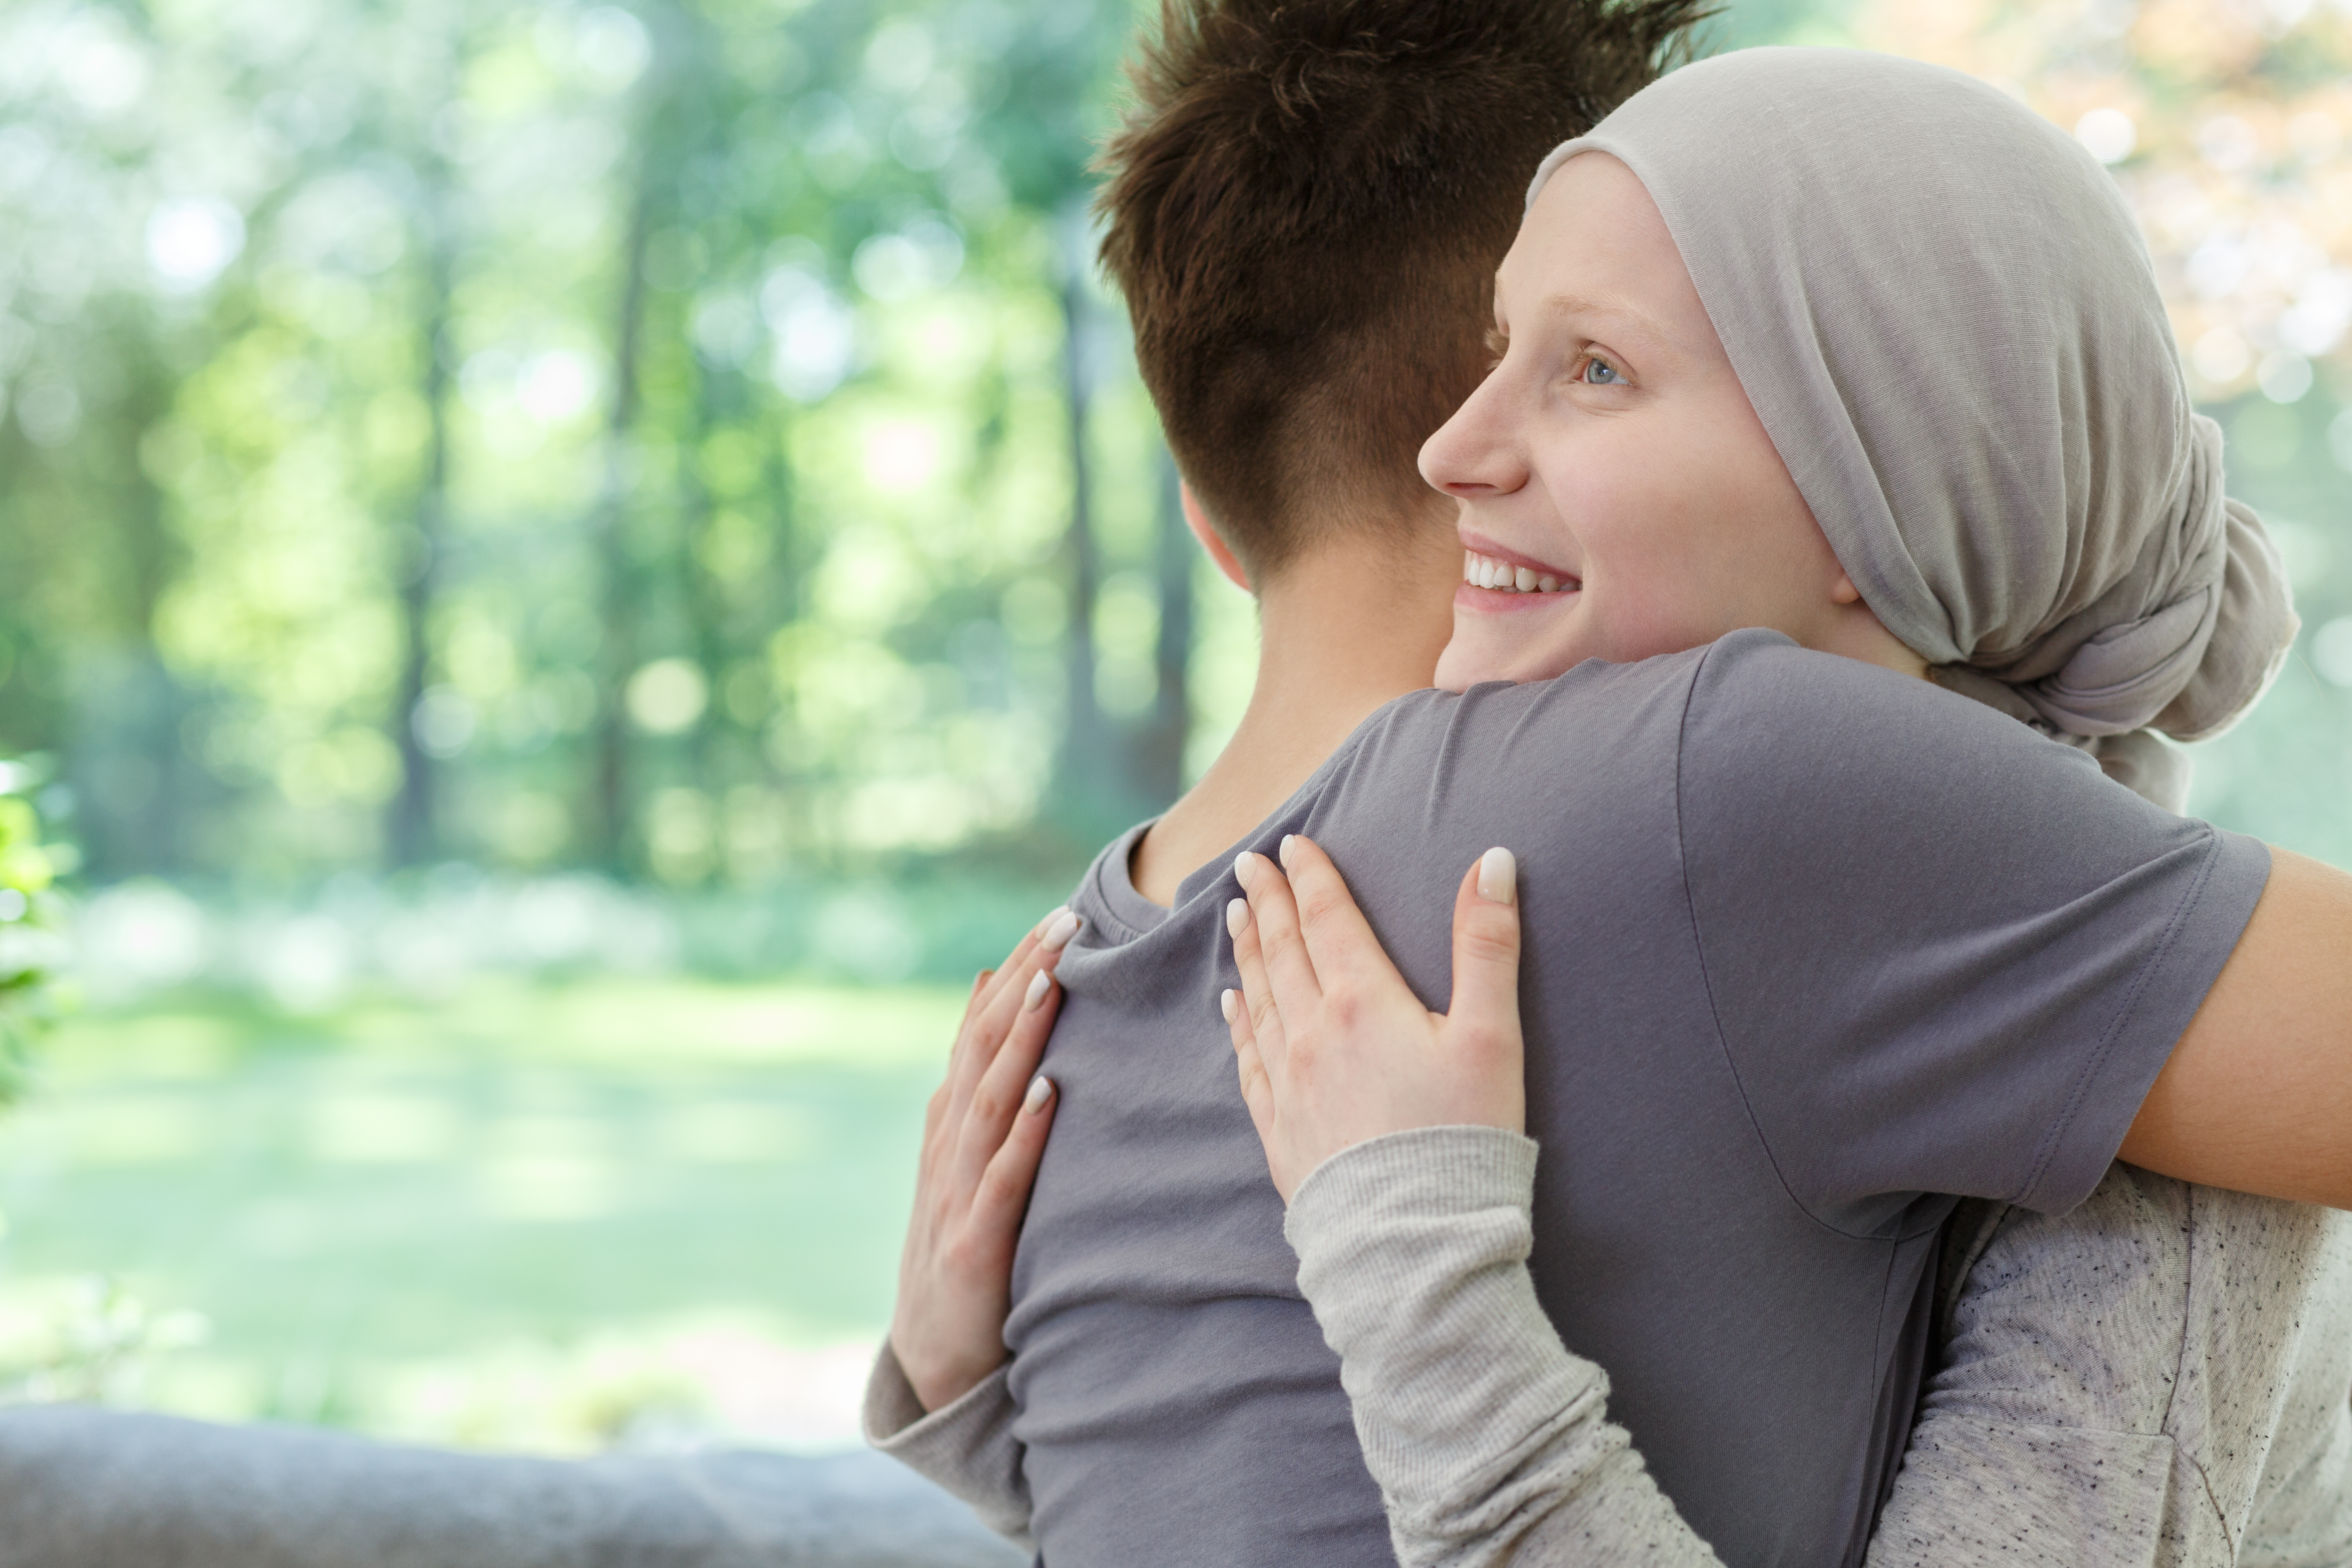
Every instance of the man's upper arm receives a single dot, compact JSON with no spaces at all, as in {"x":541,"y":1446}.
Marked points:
{"x":1945,"y":954}
{"x":2257,"y":1097}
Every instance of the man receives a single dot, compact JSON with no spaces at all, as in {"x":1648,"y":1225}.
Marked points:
{"x":1285,"y":223}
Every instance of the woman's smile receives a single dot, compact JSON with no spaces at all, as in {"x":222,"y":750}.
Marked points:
{"x":1499,"y":580}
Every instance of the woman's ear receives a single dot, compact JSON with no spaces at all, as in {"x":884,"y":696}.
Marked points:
{"x":1211,"y":540}
{"x":1843,"y":592}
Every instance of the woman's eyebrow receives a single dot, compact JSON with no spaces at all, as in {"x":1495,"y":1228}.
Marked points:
{"x":1621,"y":316}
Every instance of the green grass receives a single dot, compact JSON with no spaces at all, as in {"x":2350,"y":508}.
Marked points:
{"x":518,"y":1216}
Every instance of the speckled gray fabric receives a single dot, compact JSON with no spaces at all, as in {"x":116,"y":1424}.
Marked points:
{"x":2161,"y":1378}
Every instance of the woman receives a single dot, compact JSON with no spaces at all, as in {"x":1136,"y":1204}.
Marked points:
{"x":1877,"y":308}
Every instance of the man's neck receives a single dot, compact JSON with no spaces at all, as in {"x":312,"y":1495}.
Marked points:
{"x":1342,"y":631}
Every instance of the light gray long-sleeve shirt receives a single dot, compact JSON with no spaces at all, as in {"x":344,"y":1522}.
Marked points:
{"x":2162,"y":1376}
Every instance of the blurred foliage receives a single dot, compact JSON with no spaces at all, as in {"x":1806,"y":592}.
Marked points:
{"x":546,"y":435}
{"x":31,"y":943}
{"x":686,"y":441}
{"x":96,"y":1344}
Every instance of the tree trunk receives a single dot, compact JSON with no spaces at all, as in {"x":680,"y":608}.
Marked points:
{"x":1081,"y":770}
{"x":1159,"y":751}
{"x":412,"y":835}
{"x":609,"y":805}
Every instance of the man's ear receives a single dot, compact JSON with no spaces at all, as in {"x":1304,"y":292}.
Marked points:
{"x":1211,"y":540}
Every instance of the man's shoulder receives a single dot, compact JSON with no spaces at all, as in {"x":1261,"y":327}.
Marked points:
{"x":1758,"y":682}
{"x":1774,"y":726}
{"x":1525,"y":720}
{"x":1591,"y":753}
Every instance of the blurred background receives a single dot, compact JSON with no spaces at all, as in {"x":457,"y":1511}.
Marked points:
{"x":568,"y":572}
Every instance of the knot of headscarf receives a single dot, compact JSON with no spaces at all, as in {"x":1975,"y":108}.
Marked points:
{"x":1947,"y":319}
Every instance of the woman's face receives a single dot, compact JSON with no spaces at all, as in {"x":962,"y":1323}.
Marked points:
{"x":1612,"y":454}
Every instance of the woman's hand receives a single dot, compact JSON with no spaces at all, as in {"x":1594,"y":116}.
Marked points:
{"x":1334,"y":1048}
{"x":983,"y":1136}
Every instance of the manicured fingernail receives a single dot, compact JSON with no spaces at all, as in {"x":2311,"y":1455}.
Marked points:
{"x":1057,"y":935}
{"x":1230,"y":1003}
{"x":1040,"y":1090}
{"x":1039,"y":983}
{"x":1236,"y":917}
{"x":1499,"y":875}
{"x":1242,"y":867}
{"x":1285,"y":850}
{"x":1042,"y":927}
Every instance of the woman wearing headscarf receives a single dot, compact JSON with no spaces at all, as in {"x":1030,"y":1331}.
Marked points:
{"x":1942,"y":320}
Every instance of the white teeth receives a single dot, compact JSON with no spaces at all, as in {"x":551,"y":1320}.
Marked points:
{"x":1486,"y":571}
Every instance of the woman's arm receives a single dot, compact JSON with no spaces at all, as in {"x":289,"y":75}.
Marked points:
{"x":1395,"y":1136}
{"x":936,"y":1399}
{"x":2257,"y":1097}
{"x":1489,"y":1440}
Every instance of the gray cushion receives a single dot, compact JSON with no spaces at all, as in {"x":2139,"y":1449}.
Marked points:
{"x":82,"y":1488}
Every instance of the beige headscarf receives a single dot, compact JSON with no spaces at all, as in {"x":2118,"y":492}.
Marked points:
{"x":1947,"y":319}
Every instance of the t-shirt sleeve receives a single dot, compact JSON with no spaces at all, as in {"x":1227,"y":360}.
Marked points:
{"x":1945,"y":954}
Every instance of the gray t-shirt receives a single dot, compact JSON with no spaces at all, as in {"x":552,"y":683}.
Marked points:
{"x":1809,"y":944}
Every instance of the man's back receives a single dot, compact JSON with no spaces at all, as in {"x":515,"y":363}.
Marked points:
{"x":1731,"y":1216}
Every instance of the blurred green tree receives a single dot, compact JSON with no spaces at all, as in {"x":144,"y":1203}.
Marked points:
{"x":29,"y":946}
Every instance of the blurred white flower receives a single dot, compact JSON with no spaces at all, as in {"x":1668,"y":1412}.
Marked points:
{"x":814,"y":333}
{"x":2228,"y":144}
{"x":556,"y":385}
{"x":138,"y":935}
{"x":2284,"y":378}
{"x":667,"y":696}
{"x":190,"y":239}
{"x":2331,"y":651}
{"x":923,"y":257}
{"x":2221,"y":356}
{"x":445,"y":722}
{"x":307,"y":963}
{"x":901,"y":456}
{"x":614,"y":46}
{"x":2109,"y":133}
{"x":2315,"y":323}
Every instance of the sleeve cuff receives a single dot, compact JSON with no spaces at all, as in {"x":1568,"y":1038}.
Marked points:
{"x":966,"y":1446}
{"x":1428,"y":1171}
{"x":2177,"y":977}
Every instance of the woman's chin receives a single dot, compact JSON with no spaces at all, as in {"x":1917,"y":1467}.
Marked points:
{"x":1478,"y":653}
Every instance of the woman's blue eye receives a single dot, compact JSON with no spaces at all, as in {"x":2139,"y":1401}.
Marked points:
{"x":1598,"y":373}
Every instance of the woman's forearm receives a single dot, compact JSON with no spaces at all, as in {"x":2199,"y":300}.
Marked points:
{"x":1490,"y":1442}
{"x":967,"y":1447}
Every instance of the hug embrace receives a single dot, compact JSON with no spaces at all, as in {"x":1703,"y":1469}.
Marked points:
{"x":1688,"y":1025}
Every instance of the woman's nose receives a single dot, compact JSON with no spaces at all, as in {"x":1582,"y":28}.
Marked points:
{"x":1472,"y":456}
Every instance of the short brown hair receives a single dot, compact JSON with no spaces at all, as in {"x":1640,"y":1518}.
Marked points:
{"x":1304,"y":210}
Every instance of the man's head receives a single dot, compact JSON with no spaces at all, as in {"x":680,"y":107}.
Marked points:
{"x":1305,"y":212}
